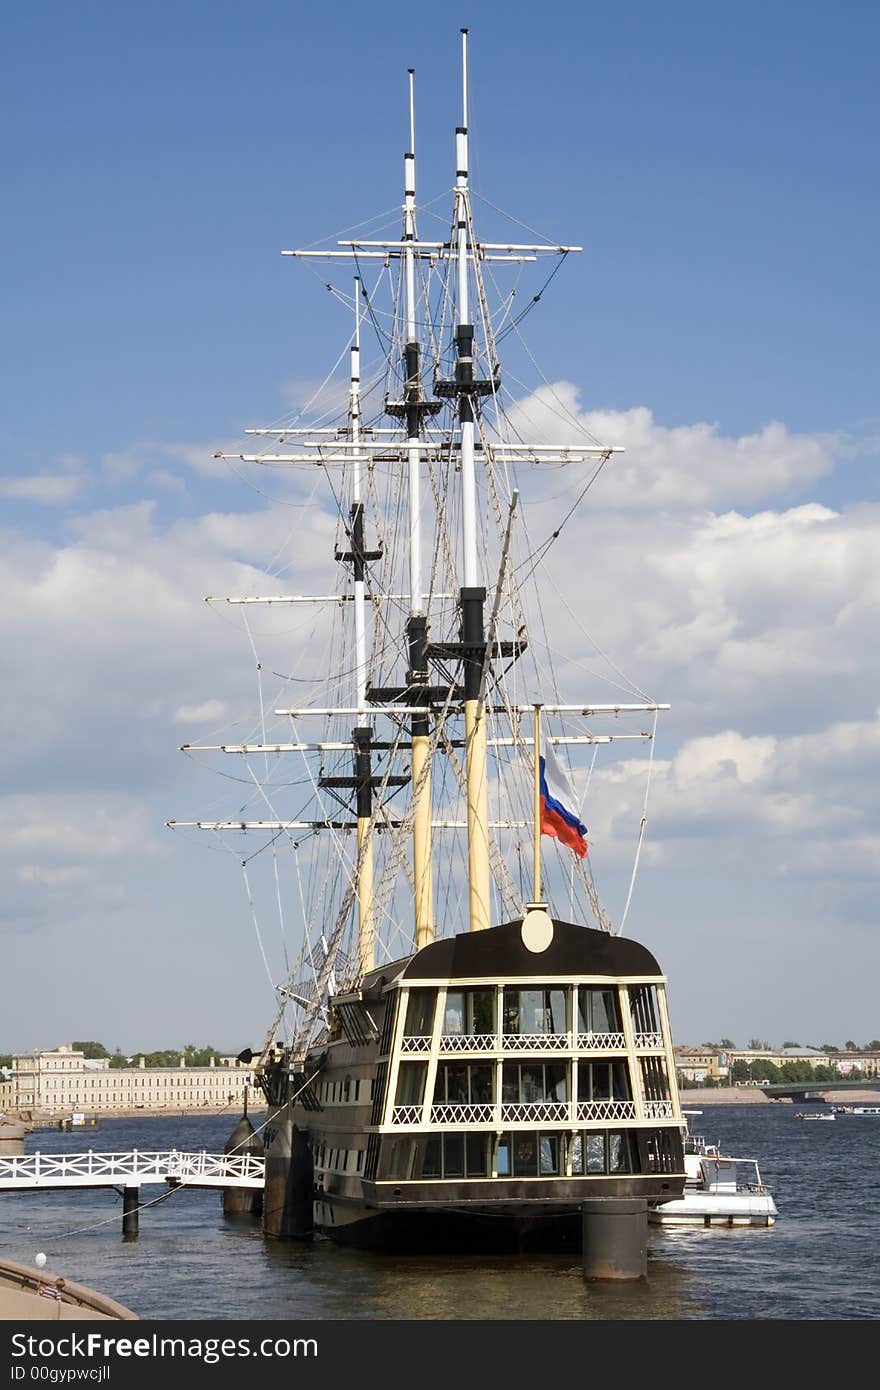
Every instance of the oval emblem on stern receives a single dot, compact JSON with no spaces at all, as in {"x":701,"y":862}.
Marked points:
{"x":536,"y":931}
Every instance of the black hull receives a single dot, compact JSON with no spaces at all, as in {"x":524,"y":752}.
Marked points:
{"x":454,"y":1232}
{"x":486,"y":1172}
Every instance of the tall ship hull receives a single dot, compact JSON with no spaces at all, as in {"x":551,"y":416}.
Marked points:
{"x":454,"y":1062}
{"x":475,"y":1094}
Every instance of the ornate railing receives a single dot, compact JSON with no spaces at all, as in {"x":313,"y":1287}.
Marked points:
{"x":406,"y":1115}
{"x":455,"y":1113}
{"x":536,"y":1042}
{"x":129,"y":1169}
{"x":468,"y":1042}
{"x":601,"y":1042}
{"x":184,"y":1166}
{"x":532,"y":1042}
{"x":659,"y":1110}
{"x":514,"y":1112}
{"x":606,"y":1110}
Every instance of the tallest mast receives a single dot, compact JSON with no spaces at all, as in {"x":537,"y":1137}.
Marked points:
{"x":417,"y":625}
{"x":473,"y":595}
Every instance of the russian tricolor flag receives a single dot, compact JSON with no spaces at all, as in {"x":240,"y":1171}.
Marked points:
{"x":557,"y":817}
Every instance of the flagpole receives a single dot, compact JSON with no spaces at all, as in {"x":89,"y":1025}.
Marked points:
{"x":537,"y":845}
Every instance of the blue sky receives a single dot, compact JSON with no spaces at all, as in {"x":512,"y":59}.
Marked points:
{"x":719,"y":166}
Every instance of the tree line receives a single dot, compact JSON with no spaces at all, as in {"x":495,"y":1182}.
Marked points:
{"x":164,"y":1057}
{"x":761,"y":1045}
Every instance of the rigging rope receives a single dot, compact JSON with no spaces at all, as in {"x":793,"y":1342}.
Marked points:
{"x":643,"y":824}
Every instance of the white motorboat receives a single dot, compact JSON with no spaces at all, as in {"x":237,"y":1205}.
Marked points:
{"x":719,"y":1191}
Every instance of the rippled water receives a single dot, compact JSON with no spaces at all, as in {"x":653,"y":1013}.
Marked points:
{"x":819,"y":1261}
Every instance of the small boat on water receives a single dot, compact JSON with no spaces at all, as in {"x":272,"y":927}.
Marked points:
{"x":28,"y":1294}
{"x":814,"y":1114}
{"x":873,"y":1110}
{"x":719,"y":1190}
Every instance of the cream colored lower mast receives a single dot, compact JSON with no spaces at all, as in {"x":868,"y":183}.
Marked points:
{"x":477,"y":815}
{"x":424,"y":878}
{"x":537,"y":809}
{"x":366,"y":916}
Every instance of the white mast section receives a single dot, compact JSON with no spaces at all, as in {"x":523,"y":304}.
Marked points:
{"x":362,"y":734}
{"x":468,"y":479}
{"x":417,"y":626}
{"x":354,"y":425}
{"x":409,"y":235}
{"x":472,"y":595}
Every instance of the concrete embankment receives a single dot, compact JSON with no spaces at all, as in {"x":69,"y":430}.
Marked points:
{"x":755,"y":1095}
{"x":723,"y":1095}
{"x":37,"y":1120}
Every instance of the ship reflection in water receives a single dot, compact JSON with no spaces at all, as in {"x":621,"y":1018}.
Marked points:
{"x":354,"y":1283}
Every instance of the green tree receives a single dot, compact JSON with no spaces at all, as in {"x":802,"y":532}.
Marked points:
{"x":758,"y":1070}
{"x":163,"y":1057}
{"x":169,"y":1058}
{"x":91,"y":1050}
{"x":823,"y":1073}
{"x":756,"y":1045}
{"x":792,"y":1044}
{"x":727,"y":1043}
{"x":5,"y":1059}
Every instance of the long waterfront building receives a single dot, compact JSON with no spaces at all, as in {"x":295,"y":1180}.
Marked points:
{"x":62,"y":1080}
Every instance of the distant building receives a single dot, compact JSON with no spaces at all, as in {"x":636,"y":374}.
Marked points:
{"x":714,"y":1064}
{"x":702,"y":1063}
{"x":862,"y":1064}
{"x":62,"y":1080}
{"x":777,"y":1057}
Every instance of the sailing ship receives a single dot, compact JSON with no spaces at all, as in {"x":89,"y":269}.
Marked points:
{"x":453,"y":1062}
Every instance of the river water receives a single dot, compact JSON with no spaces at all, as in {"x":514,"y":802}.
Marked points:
{"x":818,"y":1262}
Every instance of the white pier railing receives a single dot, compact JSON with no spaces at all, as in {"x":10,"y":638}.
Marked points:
{"x":134,"y":1168}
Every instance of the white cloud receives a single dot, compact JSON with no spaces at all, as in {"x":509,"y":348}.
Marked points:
{"x":158,"y":456}
{"x":122,"y":466}
{"x":169,"y":482}
{"x":781,"y":804}
{"x":757,"y":625}
{"x":680,"y":467}
{"x":47,"y":489}
{"x":76,"y":825}
{"x":759,"y":621}
{"x":210,"y":711}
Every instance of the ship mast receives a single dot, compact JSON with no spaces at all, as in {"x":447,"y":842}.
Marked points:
{"x":411,"y":444}
{"x":362,"y":734}
{"x":473,"y":595}
{"x":417,"y":625}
